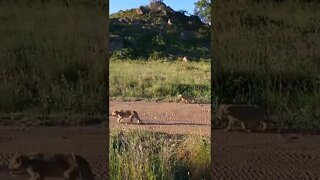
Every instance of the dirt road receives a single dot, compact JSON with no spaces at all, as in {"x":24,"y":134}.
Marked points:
{"x":166,"y":117}
{"x":236,"y":155}
{"x":239,"y":155}
{"x":89,"y":142}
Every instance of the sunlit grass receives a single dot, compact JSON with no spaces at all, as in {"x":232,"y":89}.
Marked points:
{"x":159,"y":79}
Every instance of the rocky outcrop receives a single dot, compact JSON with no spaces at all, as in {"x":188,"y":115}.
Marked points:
{"x":124,"y":20}
{"x":142,"y":10}
{"x":160,"y":7}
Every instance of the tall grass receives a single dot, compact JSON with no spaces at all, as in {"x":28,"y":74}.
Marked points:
{"x":153,"y":155}
{"x":159,"y":79}
{"x":266,"y":53}
{"x":52,"y":58}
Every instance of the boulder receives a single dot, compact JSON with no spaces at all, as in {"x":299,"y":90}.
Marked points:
{"x":142,"y":10}
{"x":124,"y":20}
{"x":160,"y":7}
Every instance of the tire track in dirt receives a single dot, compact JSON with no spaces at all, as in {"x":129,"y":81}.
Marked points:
{"x":239,"y":155}
{"x":165,"y":117}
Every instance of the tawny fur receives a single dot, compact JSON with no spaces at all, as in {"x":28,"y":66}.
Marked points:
{"x":126,"y":114}
{"x":185,"y":98}
{"x":185,"y":59}
{"x":39,"y":166}
{"x":249,"y":117}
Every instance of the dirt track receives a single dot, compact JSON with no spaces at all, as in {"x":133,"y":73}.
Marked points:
{"x":235,"y":155}
{"x":166,"y":117}
{"x":89,"y":142}
{"x":239,"y":155}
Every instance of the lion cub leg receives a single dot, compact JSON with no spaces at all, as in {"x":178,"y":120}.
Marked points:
{"x":188,"y":101}
{"x":120,"y":119}
{"x":131,"y":117}
{"x":264,"y":125}
{"x":139,"y":120}
{"x":135,"y":115}
{"x":230,"y":123}
{"x":243,"y":126}
{"x":70,"y":174}
{"x":181,"y":100}
{"x":34,"y":175}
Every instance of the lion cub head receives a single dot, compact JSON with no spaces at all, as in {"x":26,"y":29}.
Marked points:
{"x":115,"y":113}
{"x":18,"y":161}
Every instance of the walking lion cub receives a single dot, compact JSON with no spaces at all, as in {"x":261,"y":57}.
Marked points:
{"x":126,"y":114}
{"x":38,"y":166}
{"x":185,"y":98}
{"x":249,"y":117}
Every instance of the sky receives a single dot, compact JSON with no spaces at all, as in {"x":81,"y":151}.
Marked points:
{"x":116,"y":5}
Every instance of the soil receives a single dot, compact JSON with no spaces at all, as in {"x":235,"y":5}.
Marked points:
{"x":90,"y":141}
{"x":179,"y":118}
{"x":235,"y":155}
{"x":238,"y":155}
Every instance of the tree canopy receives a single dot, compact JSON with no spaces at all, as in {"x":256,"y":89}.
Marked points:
{"x":202,"y":9}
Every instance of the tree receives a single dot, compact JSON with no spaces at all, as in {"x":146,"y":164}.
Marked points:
{"x":182,"y":11}
{"x":202,"y":9}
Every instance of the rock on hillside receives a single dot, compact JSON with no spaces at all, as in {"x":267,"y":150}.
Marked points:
{"x":158,"y":31}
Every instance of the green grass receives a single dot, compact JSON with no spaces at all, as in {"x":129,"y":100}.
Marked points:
{"x":159,"y":156}
{"x":266,"y":53}
{"x":53,"y":58}
{"x":162,"y":80}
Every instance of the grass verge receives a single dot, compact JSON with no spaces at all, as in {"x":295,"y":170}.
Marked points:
{"x":154,"y":155}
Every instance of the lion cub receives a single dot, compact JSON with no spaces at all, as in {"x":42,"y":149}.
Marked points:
{"x":185,"y":98}
{"x":69,"y":166}
{"x":126,"y":114}
{"x":248,"y":116}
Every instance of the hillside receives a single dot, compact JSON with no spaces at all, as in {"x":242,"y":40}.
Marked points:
{"x":156,"y":31}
